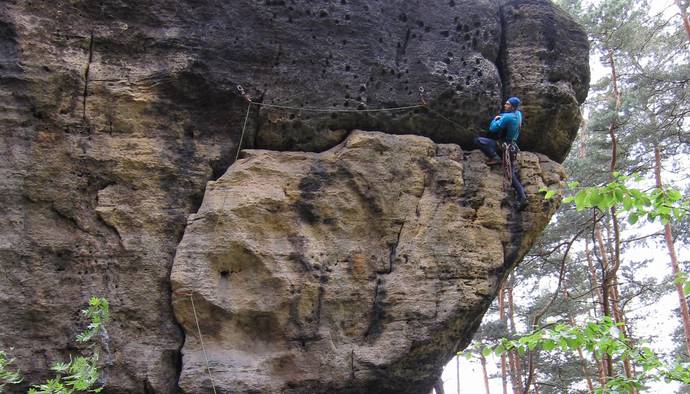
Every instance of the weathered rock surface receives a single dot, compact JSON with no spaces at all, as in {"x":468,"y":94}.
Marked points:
{"x":359,"y":269}
{"x":115,"y":114}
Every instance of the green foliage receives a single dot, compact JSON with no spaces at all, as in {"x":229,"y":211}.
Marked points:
{"x":683,"y":279}
{"x":98,"y":312}
{"x":661,"y":203}
{"x":80,"y":374}
{"x":600,"y":338}
{"x":7,"y":376}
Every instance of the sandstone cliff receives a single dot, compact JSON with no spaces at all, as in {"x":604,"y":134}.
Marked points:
{"x":359,"y":269}
{"x":114,"y":115}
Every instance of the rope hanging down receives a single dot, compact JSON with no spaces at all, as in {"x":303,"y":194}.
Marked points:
{"x":183,"y":293}
{"x":203,"y":348}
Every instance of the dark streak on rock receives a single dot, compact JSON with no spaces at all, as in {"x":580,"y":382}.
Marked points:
{"x":400,"y":52}
{"x":86,"y":77}
{"x":298,"y":242}
{"x":317,"y":310}
{"x":310,"y":190}
{"x":393,"y":249}
{"x":377,"y":313}
{"x":364,"y":192}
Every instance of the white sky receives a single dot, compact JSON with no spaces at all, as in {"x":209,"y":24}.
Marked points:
{"x":661,"y":320}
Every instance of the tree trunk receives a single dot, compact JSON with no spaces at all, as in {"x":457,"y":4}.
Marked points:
{"x":684,"y":15}
{"x":457,"y":371}
{"x":605,"y":283}
{"x":583,"y":362}
{"x":599,"y":301}
{"x":502,"y":317}
{"x":668,"y":235}
{"x":619,"y":317}
{"x":486,"y":374}
{"x":513,"y":356}
{"x":601,"y":367}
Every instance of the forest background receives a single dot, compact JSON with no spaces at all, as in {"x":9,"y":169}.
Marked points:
{"x":595,"y":262}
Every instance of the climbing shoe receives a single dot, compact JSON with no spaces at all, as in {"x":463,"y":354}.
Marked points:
{"x":522,"y":204}
{"x":493,"y":162}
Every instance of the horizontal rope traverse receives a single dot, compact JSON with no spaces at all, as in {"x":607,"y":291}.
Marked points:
{"x":312,"y":109}
{"x":250,"y":102}
{"x":423,"y":104}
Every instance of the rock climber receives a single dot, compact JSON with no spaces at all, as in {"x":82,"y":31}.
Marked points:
{"x":505,"y":128}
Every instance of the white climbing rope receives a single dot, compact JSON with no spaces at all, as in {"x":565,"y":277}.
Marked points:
{"x":337,"y":109}
{"x":203,"y":348}
{"x":239,"y":146}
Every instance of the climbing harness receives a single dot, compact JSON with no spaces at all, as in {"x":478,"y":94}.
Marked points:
{"x":507,"y":166}
{"x":509,"y":151}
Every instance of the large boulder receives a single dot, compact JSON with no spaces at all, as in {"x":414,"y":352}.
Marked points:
{"x":360,"y":269}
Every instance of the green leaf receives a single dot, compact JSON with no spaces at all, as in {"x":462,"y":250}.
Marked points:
{"x":632,"y":219}
{"x":580,"y":200}
{"x":627,"y":203}
{"x":549,"y":195}
{"x":674,"y":195}
{"x":486,"y":351}
{"x":499,"y":349}
{"x":603,"y":203}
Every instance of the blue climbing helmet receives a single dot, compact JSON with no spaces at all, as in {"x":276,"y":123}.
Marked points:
{"x":514,"y":101}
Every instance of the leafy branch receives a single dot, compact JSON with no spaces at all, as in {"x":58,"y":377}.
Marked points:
{"x":7,"y":376}
{"x":664,"y":203}
{"x":601,"y":338}
{"x":80,"y":374}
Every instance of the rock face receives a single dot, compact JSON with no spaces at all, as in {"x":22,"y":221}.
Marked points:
{"x":360,"y":269}
{"x":115,"y":114}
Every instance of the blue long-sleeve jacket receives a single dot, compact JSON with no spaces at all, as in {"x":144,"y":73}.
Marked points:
{"x":509,"y":123}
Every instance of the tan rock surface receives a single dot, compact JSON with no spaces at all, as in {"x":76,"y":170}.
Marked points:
{"x":361,"y":268}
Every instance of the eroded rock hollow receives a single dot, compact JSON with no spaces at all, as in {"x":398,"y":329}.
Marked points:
{"x":114,"y":115}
